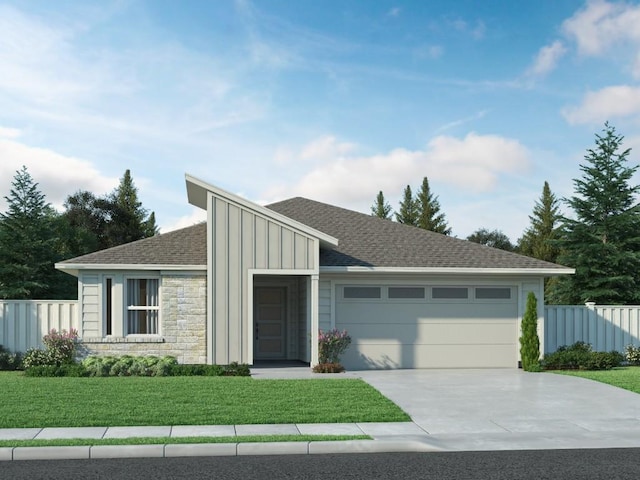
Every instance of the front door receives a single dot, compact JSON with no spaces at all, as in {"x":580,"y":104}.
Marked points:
{"x":270,"y":320}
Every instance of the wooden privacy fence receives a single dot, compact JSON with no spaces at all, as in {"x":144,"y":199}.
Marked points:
{"x":23,"y":323}
{"x":605,"y":327}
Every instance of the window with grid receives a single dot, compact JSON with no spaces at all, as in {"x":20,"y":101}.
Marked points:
{"x":143,"y":308}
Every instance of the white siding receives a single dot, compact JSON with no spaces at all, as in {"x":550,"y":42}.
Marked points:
{"x":91,"y":305}
{"x":325,"y":305}
{"x":242,"y":240}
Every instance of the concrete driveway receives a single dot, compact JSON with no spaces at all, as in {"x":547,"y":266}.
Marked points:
{"x":487,"y":409}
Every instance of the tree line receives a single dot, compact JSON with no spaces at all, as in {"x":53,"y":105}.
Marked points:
{"x":600,"y":238}
{"x":34,"y":236}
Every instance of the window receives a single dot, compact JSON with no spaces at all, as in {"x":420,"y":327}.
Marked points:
{"x":406,"y":292}
{"x":449,"y":293}
{"x":493,"y":293}
{"x":142,"y":306}
{"x":361,"y":292}
{"x":108,"y":310}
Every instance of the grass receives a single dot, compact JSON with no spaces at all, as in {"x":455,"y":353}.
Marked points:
{"x":144,"y":401}
{"x":623,"y":377}
{"x":82,"y":442}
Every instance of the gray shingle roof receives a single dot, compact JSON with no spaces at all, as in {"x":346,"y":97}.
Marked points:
{"x":369,"y":241}
{"x":363,"y":241}
{"x":187,"y":246}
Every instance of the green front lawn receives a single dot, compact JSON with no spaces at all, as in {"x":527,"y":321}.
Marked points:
{"x":82,"y":442}
{"x":119,"y":401}
{"x":623,"y":377}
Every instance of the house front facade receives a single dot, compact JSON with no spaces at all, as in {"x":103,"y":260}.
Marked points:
{"x":256,"y":283}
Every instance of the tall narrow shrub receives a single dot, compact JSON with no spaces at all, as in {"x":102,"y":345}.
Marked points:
{"x":529,"y":341}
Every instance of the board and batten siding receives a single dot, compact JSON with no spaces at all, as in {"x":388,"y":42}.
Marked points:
{"x":240,"y":240}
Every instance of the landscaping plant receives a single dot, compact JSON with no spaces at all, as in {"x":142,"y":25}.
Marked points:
{"x":529,"y":341}
{"x":632,"y":355}
{"x":331,"y":344}
{"x":580,"y":356}
{"x":60,"y":349}
{"x":8,"y":360}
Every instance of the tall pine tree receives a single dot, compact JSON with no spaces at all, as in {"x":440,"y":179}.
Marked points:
{"x":27,"y":241}
{"x":602,"y":241}
{"x":540,"y":239}
{"x":429,"y":215}
{"x":408,"y":212}
{"x":381,"y":207}
{"x":128,"y":219}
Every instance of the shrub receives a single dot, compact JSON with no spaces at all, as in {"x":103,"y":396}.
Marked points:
{"x":235,"y":369}
{"x":632,"y":354}
{"x":64,"y":370}
{"x":164,"y":365}
{"x":199,"y":370}
{"x":529,"y":341}
{"x":99,"y":366}
{"x":580,"y":356}
{"x":36,"y":357}
{"x":332,"y":344}
{"x":61,"y":346}
{"x":328,"y":368}
{"x":8,"y":360}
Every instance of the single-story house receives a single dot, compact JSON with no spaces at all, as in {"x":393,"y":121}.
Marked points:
{"x":258,"y":282}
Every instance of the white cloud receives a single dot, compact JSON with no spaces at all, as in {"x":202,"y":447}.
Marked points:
{"x":58,"y":176}
{"x":6,"y":132}
{"x":610,"y":102}
{"x":601,"y":26}
{"x":326,"y":148}
{"x":474,"y":163}
{"x":197,"y":215}
{"x":430,"y":52}
{"x":547,"y":59}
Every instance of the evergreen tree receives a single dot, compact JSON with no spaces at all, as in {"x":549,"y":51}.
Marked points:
{"x":429,"y":216}
{"x":491,"y":238}
{"x":529,"y":341}
{"x":381,"y":207}
{"x":602,"y":242}
{"x":128,"y":219}
{"x":408,"y":212}
{"x":540,"y":239}
{"x":27,"y":241}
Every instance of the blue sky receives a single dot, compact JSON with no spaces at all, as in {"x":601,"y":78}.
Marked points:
{"x":330,"y":100}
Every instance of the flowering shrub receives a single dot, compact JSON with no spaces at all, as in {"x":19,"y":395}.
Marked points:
{"x":61,"y":346}
{"x":60,"y":349}
{"x":632,"y":354}
{"x":332,"y":344}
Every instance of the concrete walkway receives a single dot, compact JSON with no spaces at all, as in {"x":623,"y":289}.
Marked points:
{"x":452,"y":410}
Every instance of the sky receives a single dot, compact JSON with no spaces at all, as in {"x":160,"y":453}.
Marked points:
{"x":330,"y":100}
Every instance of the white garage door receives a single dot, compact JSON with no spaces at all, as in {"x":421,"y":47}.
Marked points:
{"x":428,"y":326}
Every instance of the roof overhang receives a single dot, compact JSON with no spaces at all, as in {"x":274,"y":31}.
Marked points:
{"x":198,"y":194}
{"x":547,"y":272}
{"x":75,"y":268}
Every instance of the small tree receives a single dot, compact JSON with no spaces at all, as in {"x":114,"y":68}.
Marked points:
{"x":408,"y":212}
{"x":429,"y":215}
{"x":381,"y":207}
{"x":529,"y":341}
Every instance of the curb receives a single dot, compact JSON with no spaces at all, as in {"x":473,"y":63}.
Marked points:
{"x":211,"y":450}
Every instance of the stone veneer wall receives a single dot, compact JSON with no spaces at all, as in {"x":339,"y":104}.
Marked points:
{"x":183,"y":325}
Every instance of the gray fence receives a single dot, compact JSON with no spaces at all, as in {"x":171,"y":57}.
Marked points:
{"x":605,"y":327}
{"x":23,"y":323}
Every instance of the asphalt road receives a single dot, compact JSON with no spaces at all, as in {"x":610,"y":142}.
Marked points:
{"x":512,"y":465}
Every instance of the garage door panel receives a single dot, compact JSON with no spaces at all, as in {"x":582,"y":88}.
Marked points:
{"x":368,"y":313}
{"x":390,"y":356}
{"x":429,"y":333}
{"x":433,"y":332}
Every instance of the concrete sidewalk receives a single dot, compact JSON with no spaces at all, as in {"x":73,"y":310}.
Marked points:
{"x":387,"y":437}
